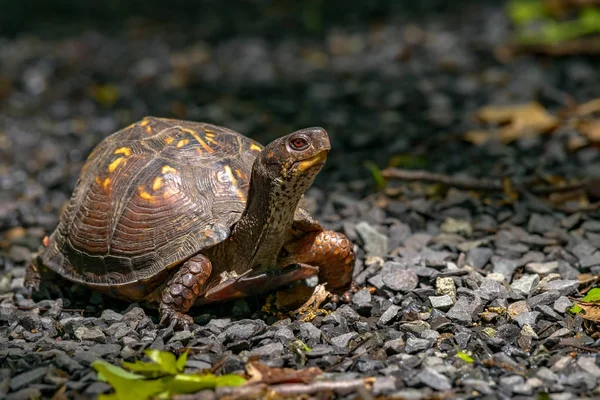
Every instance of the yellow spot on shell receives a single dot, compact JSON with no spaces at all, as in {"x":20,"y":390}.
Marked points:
{"x":144,"y":122}
{"x":158,"y":183}
{"x":98,"y":181}
{"x":113,"y":165}
{"x":148,"y":129}
{"x":167,"y":169}
{"x":169,"y":140}
{"x":239,"y":193}
{"x":126,"y":151}
{"x":143,"y":194}
{"x":208,"y":130}
{"x":208,"y":134}
{"x":198,"y":139}
{"x":255,"y":147}
{"x":182,"y":143}
{"x":106,"y":183}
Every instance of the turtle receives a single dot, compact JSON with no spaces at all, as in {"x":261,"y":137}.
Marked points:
{"x":180,"y":213}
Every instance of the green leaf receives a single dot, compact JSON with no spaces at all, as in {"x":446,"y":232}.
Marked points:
{"x":464,"y":356}
{"x":165,"y":359}
{"x":126,"y":384}
{"x":147,"y":369}
{"x":184,"y":383}
{"x":181,"y":361}
{"x":380,"y":181}
{"x":525,"y":11}
{"x":408,"y":161}
{"x":106,"y":370}
{"x":593,"y":296}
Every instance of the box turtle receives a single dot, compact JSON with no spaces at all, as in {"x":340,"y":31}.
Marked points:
{"x":183,"y":213}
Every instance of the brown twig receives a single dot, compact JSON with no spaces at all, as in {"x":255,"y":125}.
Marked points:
{"x":219,"y":364}
{"x":481,"y":185}
{"x":296,"y":389}
{"x":583,"y":209}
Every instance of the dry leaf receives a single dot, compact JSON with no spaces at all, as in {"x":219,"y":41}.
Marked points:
{"x":518,"y":121}
{"x":313,"y":304}
{"x":591,"y":129}
{"x":588,"y":108}
{"x":591,"y":311}
{"x":479,"y":137}
{"x":261,"y":373}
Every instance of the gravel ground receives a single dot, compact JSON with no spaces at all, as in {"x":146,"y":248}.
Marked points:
{"x":447,"y":273}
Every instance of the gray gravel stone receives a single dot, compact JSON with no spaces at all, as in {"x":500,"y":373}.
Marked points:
{"x":443,"y":303}
{"x":375,"y":243}
{"x":362,"y":300}
{"x":416,"y":345}
{"x":544,"y":298}
{"x":343,"y":340}
{"x":562,"y":304}
{"x":271,"y":349}
{"x":541,"y":223}
{"x":564,"y":287}
{"x":110,"y":316}
{"x":491,"y":289}
{"x":524,"y":286}
{"x":401,"y":280}
{"x":284,"y":335}
{"x":389,"y":315}
{"x":461,"y":311}
{"x":529,"y":318}
{"x":94,"y":334}
{"x":434,"y":379}
{"x":504,"y":266}
{"x":542,"y":268}
{"x":309,"y":332}
{"x":589,"y":365}
{"x":28,"y":378}
{"x":479,"y":257}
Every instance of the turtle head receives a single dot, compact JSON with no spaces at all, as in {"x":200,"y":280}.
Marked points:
{"x":294,"y":160}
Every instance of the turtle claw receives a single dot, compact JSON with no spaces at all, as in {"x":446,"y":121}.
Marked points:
{"x":176,"y":319}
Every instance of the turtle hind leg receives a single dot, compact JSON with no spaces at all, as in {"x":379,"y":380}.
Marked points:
{"x":182,"y":290}
{"x":39,"y":278}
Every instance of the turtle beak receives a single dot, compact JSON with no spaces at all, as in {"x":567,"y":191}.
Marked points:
{"x":317,"y":159}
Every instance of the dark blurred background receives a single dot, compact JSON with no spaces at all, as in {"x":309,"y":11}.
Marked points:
{"x":213,"y":19}
{"x":394,"y":82}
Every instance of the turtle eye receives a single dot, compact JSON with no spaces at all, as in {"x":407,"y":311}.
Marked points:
{"x":299,"y":143}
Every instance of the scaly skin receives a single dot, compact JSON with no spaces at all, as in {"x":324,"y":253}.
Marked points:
{"x":183,"y":289}
{"x":331,"y":251}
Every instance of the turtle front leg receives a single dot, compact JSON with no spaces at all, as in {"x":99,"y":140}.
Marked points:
{"x":331,"y":251}
{"x":182,"y":290}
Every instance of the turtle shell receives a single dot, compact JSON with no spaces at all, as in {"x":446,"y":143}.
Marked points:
{"x":149,"y":197}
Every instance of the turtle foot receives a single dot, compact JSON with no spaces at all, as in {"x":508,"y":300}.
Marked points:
{"x":175,"y":319}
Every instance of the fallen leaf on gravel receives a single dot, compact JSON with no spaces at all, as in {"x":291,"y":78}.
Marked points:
{"x":591,"y":311}
{"x":129,"y":385}
{"x":517,"y":121}
{"x":591,"y":129}
{"x":588,"y":108}
{"x":261,"y":373}
{"x":593,"y":296}
{"x":587,"y":281}
{"x":465,"y":357}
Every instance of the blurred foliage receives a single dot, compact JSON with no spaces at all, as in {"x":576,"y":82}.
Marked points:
{"x":542,"y":22}
{"x":160,"y":378}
